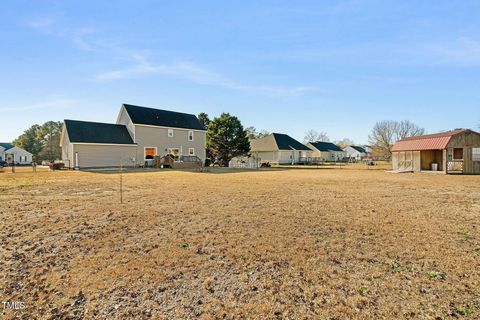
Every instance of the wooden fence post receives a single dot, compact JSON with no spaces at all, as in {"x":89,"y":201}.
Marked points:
{"x":121,"y":183}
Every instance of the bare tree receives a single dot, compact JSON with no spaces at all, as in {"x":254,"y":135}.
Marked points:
{"x":344,"y":143}
{"x":313,"y":136}
{"x":385,"y":133}
{"x":253,"y":133}
{"x":407,"y":129}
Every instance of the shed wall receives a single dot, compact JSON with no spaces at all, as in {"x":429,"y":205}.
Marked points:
{"x":467,"y":141}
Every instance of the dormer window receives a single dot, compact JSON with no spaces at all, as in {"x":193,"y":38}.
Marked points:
{"x":190,"y":135}
{"x":170,"y":133}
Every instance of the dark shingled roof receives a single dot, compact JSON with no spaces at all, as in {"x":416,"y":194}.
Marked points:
{"x":325,"y":146}
{"x":6,"y":145}
{"x":95,"y":132}
{"x":285,"y":142}
{"x":162,"y":118}
{"x":359,"y":149}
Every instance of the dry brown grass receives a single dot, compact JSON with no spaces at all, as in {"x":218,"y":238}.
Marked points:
{"x":290,"y":244}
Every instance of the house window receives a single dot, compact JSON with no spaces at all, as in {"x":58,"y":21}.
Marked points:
{"x":475,"y":154}
{"x":150,"y":153}
{"x":190,"y":135}
{"x":170,"y":133}
{"x":191,"y":151}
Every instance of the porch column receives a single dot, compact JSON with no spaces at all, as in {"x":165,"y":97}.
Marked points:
{"x":444,"y":162}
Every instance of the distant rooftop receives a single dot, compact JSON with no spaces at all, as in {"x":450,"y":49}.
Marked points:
{"x":6,"y":145}
{"x":325,"y":146}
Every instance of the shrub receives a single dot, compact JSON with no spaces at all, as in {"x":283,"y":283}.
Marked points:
{"x":208,"y":162}
{"x":57,"y":166}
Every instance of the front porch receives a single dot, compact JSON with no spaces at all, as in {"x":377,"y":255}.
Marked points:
{"x":442,"y":161}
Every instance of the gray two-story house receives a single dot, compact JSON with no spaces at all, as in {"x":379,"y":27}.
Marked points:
{"x":139,"y":135}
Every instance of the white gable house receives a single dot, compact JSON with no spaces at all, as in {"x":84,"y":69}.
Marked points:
{"x":14,"y":155}
{"x":356,"y":152}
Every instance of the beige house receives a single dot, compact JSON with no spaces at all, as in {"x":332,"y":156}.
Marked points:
{"x":326,"y":151}
{"x":139,"y":135}
{"x":12,"y":154}
{"x":278,"y":148}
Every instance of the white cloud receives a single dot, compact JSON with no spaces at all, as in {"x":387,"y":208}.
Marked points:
{"x":139,"y":65}
{"x":192,"y":72}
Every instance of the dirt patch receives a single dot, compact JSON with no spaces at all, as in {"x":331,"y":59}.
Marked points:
{"x":273,"y":244}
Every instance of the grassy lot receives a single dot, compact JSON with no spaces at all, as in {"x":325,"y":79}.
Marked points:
{"x":271,"y":244}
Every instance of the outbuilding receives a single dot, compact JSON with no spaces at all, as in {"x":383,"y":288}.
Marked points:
{"x":456,"y":151}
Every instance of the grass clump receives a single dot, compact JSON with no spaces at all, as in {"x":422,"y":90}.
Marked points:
{"x":248,"y":271}
{"x":397,"y":266}
{"x":436,"y":275}
{"x":185,"y":245}
{"x":362,"y":291}
{"x":465,"y":311}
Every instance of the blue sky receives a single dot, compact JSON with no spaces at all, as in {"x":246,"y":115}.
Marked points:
{"x":283,"y":66}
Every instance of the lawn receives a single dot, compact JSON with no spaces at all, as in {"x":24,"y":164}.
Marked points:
{"x":322,"y":243}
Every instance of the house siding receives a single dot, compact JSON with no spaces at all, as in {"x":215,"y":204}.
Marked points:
{"x":67,"y":151}
{"x":150,"y":136}
{"x":326,"y":155}
{"x":98,"y":155}
{"x":124,"y":118}
{"x":281,"y":156}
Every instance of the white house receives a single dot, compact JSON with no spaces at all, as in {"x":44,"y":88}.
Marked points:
{"x":356,"y":152}
{"x":326,"y":151}
{"x":11,"y":154}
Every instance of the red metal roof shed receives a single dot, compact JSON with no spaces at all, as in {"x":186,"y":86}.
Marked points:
{"x":437,"y":141}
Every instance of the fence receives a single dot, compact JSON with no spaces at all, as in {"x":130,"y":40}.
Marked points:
{"x":13,"y":168}
{"x":244,"y":163}
{"x":455,"y":166}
